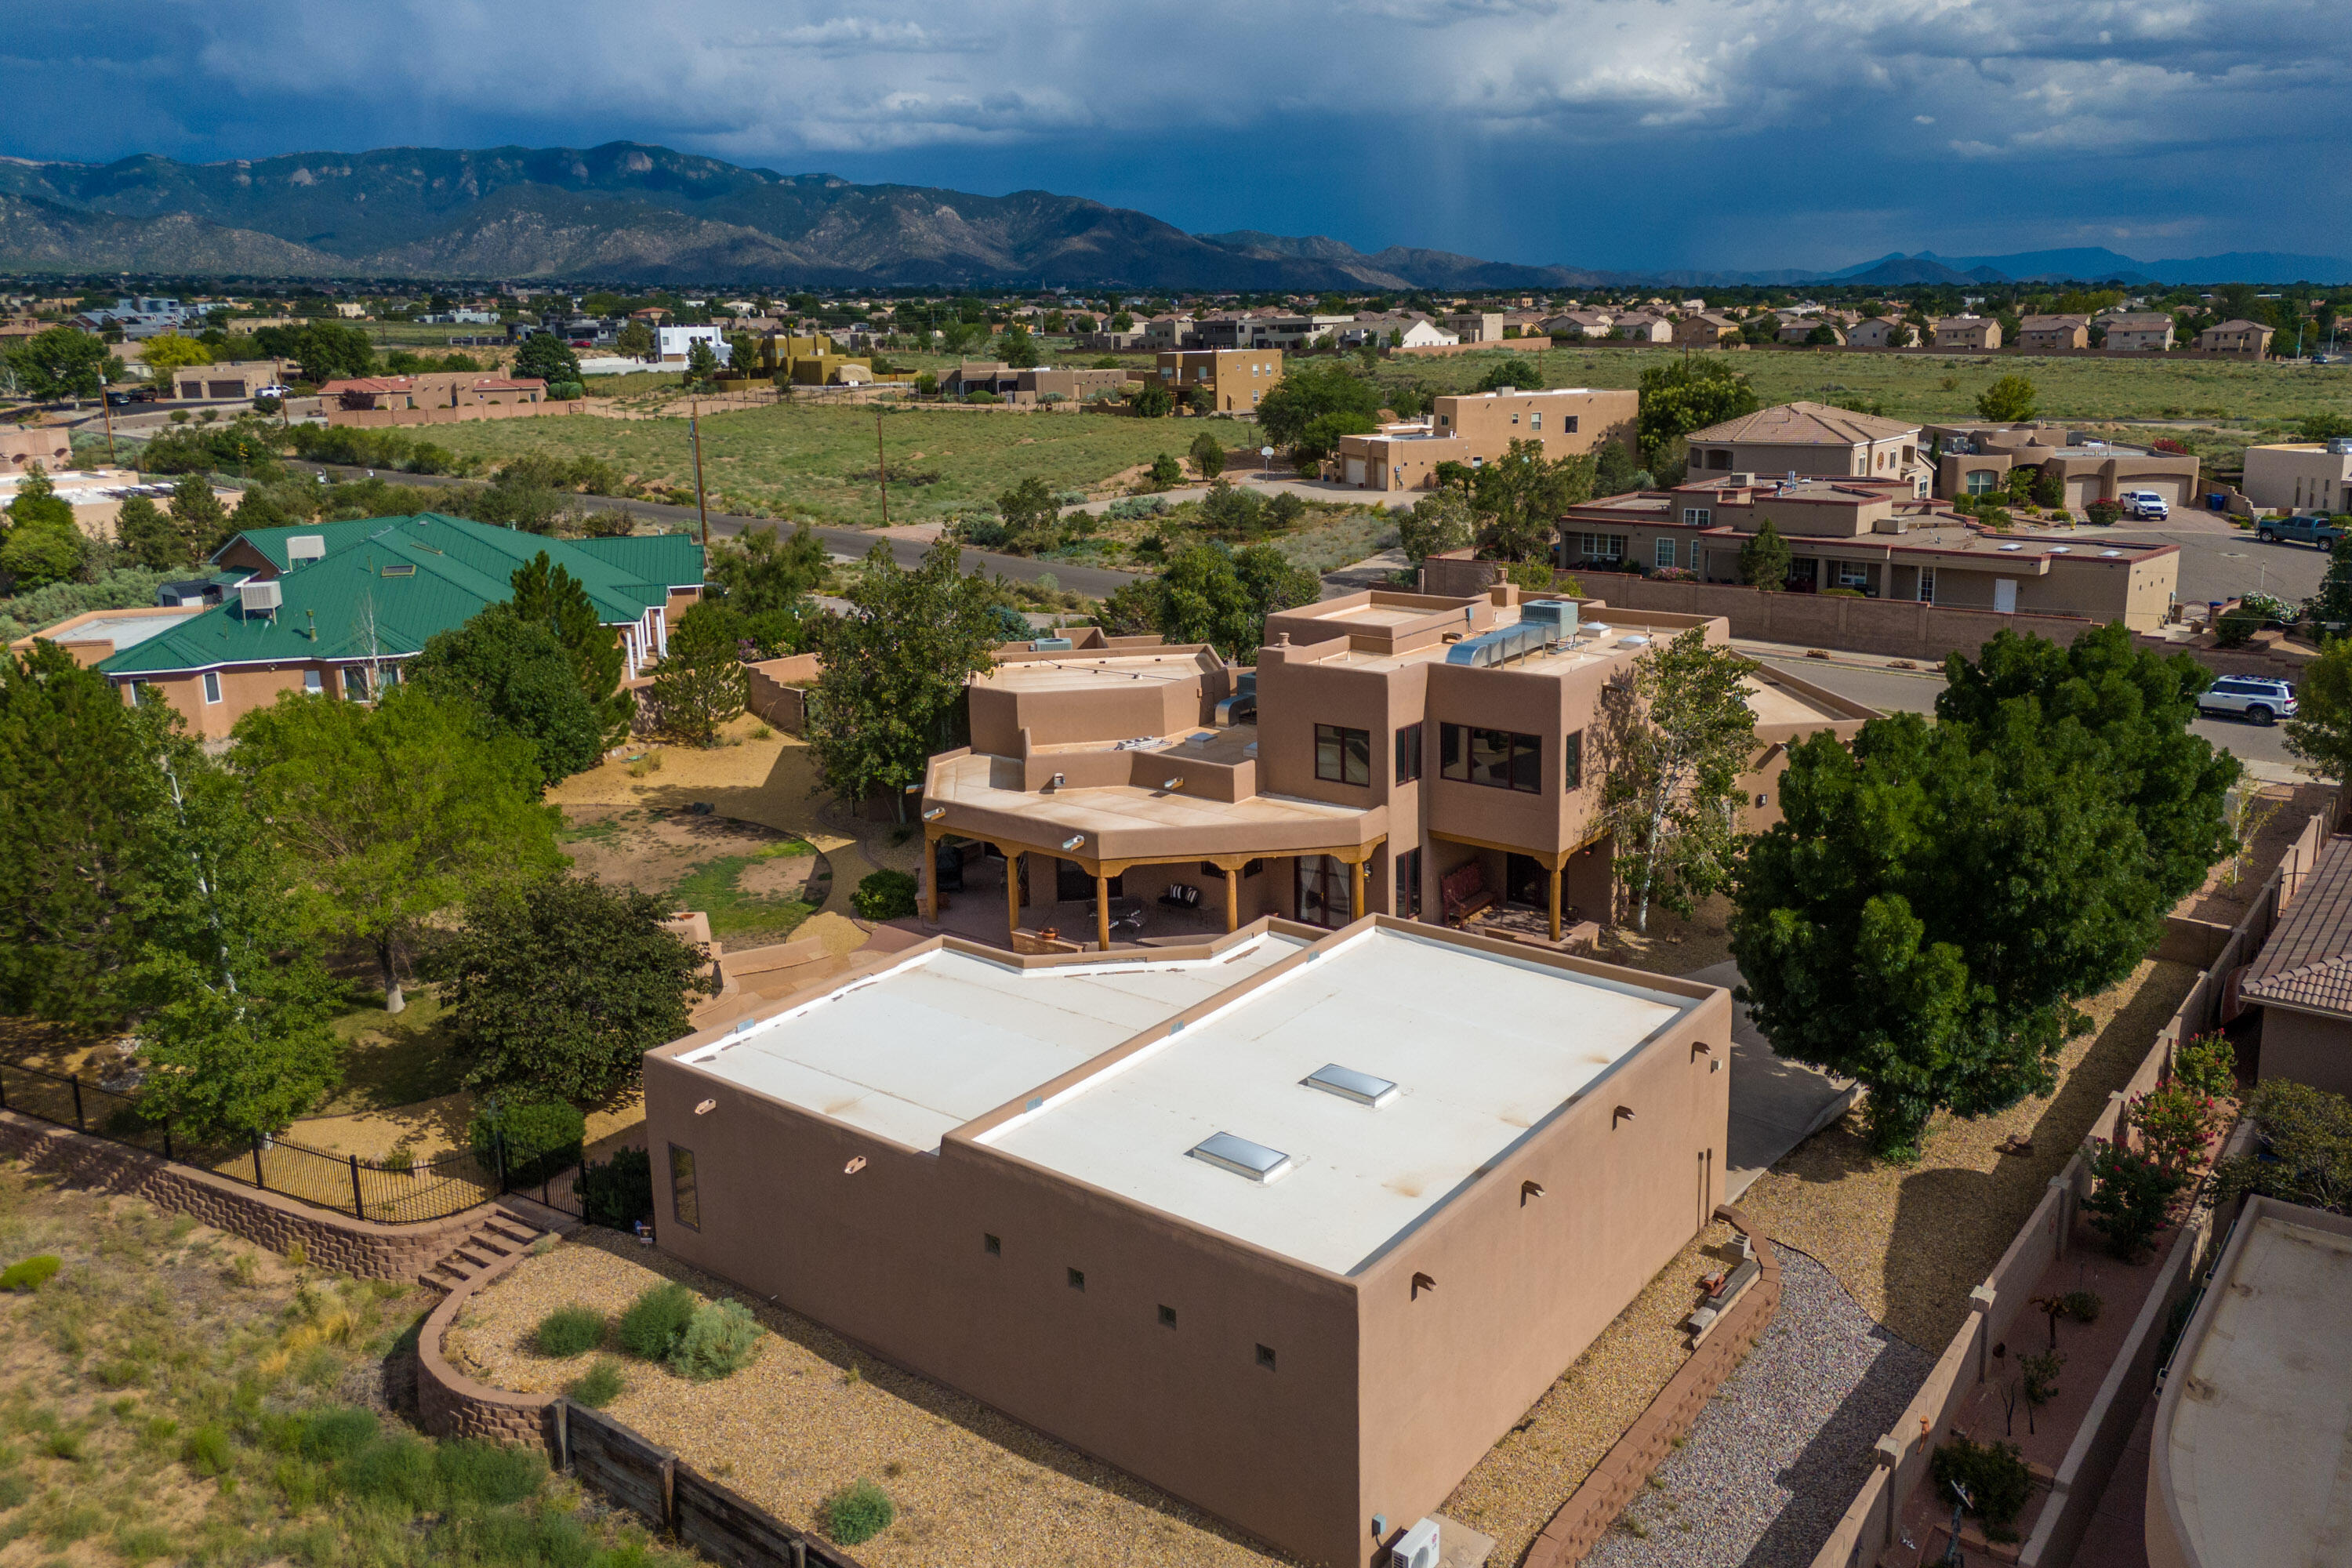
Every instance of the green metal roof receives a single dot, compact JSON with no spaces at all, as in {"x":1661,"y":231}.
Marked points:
{"x":389,"y":584}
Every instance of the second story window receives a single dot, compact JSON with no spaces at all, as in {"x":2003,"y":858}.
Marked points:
{"x":1408,"y":753}
{"x":1571,"y":760}
{"x":1698,"y":517}
{"x":1499,"y":759}
{"x":1343,"y":756}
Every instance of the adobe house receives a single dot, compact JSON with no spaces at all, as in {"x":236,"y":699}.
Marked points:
{"x":1291,"y":1224}
{"x":1973,"y":460}
{"x":1477,"y":428}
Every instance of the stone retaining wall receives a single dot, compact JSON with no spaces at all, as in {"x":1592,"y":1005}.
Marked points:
{"x":331,"y":1241}
{"x":451,"y":1404}
{"x":1614,"y":1482}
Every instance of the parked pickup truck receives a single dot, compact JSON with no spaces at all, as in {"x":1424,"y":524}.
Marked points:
{"x":2317,"y":530}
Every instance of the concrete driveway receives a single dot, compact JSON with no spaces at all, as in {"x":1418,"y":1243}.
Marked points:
{"x":1775,"y":1103}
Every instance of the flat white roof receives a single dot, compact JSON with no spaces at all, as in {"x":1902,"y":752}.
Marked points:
{"x":127,"y":632}
{"x":1484,"y":1048}
{"x":2262,"y":1431}
{"x":929,"y":1045}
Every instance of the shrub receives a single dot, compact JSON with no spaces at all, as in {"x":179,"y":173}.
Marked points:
{"x":336,"y":1432}
{"x":1166,"y":470}
{"x":2207,"y":1065}
{"x":598,"y":1387}
{"x":2132,"y":1193}
{"x":719,"y":1340}
{"x":208,"y":1451}
{"x":2082,"y":1306}
{"x":398,"y":1469}
{"x":656,"y":1320}
{"x":2306,"y":1153}
{"x":859,"y":1512}
{"x":1995,"y":1475}
{"x":30,"y":1275}
{"x":540,"y":1136}
{"x":2102,"y":514}
{"x":2236,"y":628}
{"x":2173,"y":1123}
{"x":569,"y":1332}
{"x":884,"y":896}
{"x":617,"y":1193}
{"x":490,"y":1474}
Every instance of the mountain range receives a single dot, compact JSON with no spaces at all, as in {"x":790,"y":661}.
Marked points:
{"x":629,"y":213}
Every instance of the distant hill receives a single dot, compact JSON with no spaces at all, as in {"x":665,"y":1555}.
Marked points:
{"x":627,"y":212}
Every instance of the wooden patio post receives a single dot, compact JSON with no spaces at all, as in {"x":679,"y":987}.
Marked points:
{"x":1555,"y":902}
{"x":1102,"y":908}
{"x":1356,"y":889}
{"x":931,"y":878}
{"x":1012,"y":892}
{"x":1233,"y":899}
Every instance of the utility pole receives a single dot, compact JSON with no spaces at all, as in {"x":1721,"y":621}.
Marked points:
{"x":880,"y":469}
{"x":701,"y":505}
{"x":108,"y":404}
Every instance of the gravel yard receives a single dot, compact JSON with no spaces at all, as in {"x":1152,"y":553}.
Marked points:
{"x":1776,"y":1458}
{"x":812,"y":1413}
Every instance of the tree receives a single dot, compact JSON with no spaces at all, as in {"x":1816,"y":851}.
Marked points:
{"x":147,"y":537}
{"x":1031,"y":517}
{"x":1122,"y":322}
{"x":329,"y":350}
{"x":761,"y":572}
{"x":1321,"y":437}
{"x":893,"y":670}
{"x":1934,"y":902}
{"x":77,"y":796}
{"x":1016,"y":348}
{"x":1437,"y":523}
{"x":635,"y":340}
{"x":1316,"y":392}
{"x":2330,"y":610}
{"x":1675,"y":746}
{"x":1765,"y":558}
{"x":548,"y":595}
{"x":202,"y":522}
{"x":1231,"y":512}
{"x":562,"y":985}
{"x":2321,"y":732}
{"x":1688,"y":393}
{"x":1152,"y":401}
{"x":520,"y":682}
{"x":742,"y":355}
{"x":2009,"y":401}
{"x":551,"y":359}
{"x":1208,"y":454}
{"x":1518,"y":498}
{"x":62,"y":361}
{"x":43,"y":544}
{"x":1212,"y":594}
{"x":1165,"y":470}
{"x":1823,"y":335}
{"x":1615,"y":470}
{"x":168,"y":351}
{"x":699,"y":684}
{"x":395,"y":812}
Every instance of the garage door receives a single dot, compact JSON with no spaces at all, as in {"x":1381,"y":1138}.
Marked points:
{"x":2081,"y":493}
{"x":1355,"y":470}
{"x":2169,"y":488}
{"x":227,"y":389}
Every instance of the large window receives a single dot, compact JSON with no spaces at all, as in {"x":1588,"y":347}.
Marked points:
{"x":684,"y":1200}
{"x":1597,"y":546}
{"x":1499,"y":759}
{"x":1665,"y":551}
{"x":1325,"y":895}
{"x":1571,"y":760}
{"x":1408,"y":753}
{"x":212,"y":686}
{"x":1408,"y":885}
{"x":1852,"y":575}
{"x":1698,"y":517}
{"x":1343,"y":756}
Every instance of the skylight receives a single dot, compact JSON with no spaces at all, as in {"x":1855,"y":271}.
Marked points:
{"x":1349,"y":1084}
{"x":1242,"y":1157}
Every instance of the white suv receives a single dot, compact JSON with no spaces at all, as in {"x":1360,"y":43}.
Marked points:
{"x":2254,"y":699}
{"x":2144,"y":504}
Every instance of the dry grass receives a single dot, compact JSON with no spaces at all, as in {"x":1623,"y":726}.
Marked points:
{"x":1911,"y":1242}
{"x":812,"y":1413}
{"x":1512,"y":1493}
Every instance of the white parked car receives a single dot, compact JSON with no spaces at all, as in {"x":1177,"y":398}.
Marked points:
{"x":2144,"y":504}
{"x":2255,"y":699}
{"x":274,"y":392}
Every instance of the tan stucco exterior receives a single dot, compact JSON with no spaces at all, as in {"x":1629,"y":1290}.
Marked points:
{"x":1477,"y":428}
{"x":2299,"y":476}
{"x":1236,"y":380}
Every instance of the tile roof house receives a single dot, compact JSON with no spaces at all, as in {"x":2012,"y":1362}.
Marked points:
{"x":1880,"y":332}
{"x":2302,"y":979}
{"x":2234,"y":340}
{"x":1810,"y":438}
{"x":2142,"y":332}
{"x":2049,"y":333}
{"x":1967,"y":332}
{"x":334,"y":608}
{"x":1706,"y":330}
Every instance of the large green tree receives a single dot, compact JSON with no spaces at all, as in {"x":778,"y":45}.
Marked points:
{"x":2008,"y":401}
{"x":1686,"y":395}
{"x":329,"y":350}
{"x":699,"y":684}
{"x":1765,"y":558}
{"x":1311,"y":392}
{"x":1211,"y":594}
{"x":893,"y":671}
{"x":2321,"y":732}
{"x":42,"y":543}
{"x":546,"y":594}
{"x":394,"y":812}
{"x":202,"y":521}
{"x":1518,"y":498}
{"x":520,"y":681}
{"x":62,"y":361}
{"x":1936,"y":901}
{"x":1674,"y":744}
{"x":562,"y":985}
{"x":551,"y":359}
{"x":147,"y":537}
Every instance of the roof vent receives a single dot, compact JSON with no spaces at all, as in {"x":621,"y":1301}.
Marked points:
{"x":304,"y":547}
{"x":1242,"y":1157}
{"x":2012,"y":547}
{"x":260,"y":598}
{"x":1349,"y":1084}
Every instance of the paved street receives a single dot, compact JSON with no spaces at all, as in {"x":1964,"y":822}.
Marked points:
{"x":2219,"y":562}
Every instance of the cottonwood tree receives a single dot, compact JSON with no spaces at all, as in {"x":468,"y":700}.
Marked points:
{"x":2009,"y":401}
{"x":1518,"y":498}
{"x":394,"y":812}
{"x":562,"y":985}
{"x":892,"y":674}
{"x":548,"y":595}
{"x":1935,"y":901}
{"x":1675,"y":740}
{"x":1211,"y":594}
{"x":62,"y":361}
{"x":1436,"y":524}
{"x":1690,"y":393}
{"x":518,"y":681}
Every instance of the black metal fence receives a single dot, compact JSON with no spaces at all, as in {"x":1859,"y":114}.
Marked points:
{"x":389,"y":1192}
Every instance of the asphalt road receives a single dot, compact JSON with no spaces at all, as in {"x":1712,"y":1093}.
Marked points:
{"x":1907,"y":691}
{"x":2220,"y":562}
{"x":1094,"y":582}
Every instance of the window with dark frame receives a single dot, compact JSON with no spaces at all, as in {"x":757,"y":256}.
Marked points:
{"x":1571,"y":760}
{"x":1499,"y":759}
{"x":1408,"y":885}
{"x":684,"y":1202}
{"x":1408,"y":753}
{"x":1167,"y":1316}
{"x":992,"y":1244}
{"x":1265,"y":1357}
{"x":1077,"y":1279}
{"x":1343,"y":755}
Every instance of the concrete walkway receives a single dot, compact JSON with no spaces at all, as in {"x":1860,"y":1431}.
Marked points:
{"x":1775,"y":1103}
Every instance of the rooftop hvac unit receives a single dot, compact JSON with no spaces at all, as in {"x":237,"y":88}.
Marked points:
{"x":304,"y":547}
{"x":1557,"y":614}
{"x":1050,"y":645}
{"x":1416,"y":1548}
{"x":260,"y":598}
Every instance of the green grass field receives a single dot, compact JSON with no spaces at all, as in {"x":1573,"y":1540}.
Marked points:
{"x":817,"y":464}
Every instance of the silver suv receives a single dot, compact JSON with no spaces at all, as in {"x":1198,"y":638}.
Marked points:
{"x":2254,"y":699}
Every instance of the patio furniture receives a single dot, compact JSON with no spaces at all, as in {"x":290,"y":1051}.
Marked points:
{"x":1125,"y":916}
{"x":1181,"y":896}
{"x":1465,"y":892}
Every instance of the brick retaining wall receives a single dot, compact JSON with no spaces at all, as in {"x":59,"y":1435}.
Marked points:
{"x":333,"y":1241}
{"x":451,"y":1404}
{"x":1614,"y":1482}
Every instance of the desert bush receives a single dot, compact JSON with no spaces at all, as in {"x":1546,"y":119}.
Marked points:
{"x":1995,"y":1475}
{"x":598,"y":1387}
{"x":2133,"y":1192}
{"x":335,"y":1433}
{"x":617,"y":1192}
{"x":720,"y":1339}
{"x":569,"y":1331}
{"x":30,"y":1275}
{"x":652,"y":1327}
{"x":395,"y":1470}
{"x":884,"y":896}
{"x":859,"y":1512}
{"x":2084,"y":1305}
{"x":208,"y":1450}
